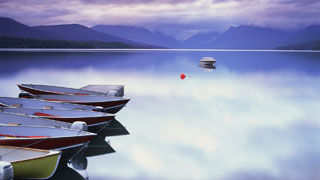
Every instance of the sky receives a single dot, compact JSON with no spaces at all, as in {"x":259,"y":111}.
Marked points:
{"x":169,"y":16}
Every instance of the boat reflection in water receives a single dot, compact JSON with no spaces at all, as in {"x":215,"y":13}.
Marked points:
{"x":69,"y":170}
{"x":64,"y":172}
{"x":207,"y":67}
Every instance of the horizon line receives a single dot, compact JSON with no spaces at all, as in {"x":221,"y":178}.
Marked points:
{"x":106,"y":50}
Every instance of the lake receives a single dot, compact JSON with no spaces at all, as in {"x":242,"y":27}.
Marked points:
{"x":256,"y":116}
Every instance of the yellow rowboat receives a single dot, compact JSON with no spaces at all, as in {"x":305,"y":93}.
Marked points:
{"x":29,"y":163}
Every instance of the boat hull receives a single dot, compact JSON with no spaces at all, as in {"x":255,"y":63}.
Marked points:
{"x":104,"y":104}
{"x":41,"y":104}
{"x":88,"y":120}
{"x":61,"y":118}
{"x":36,"y":91}
{"x":68,"y":145}
{"x":87,"y":90}
{"x":95,"y":124}
{"x":60,"y":143}
{"x":37,"y":168}
{"x":108,"y":106}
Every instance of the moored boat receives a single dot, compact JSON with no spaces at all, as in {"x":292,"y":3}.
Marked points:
{"x":69,"y":141}
{"x":42,"y":104}
{"x":94,"y":120}
{"x":109,"y":104}
{"x":20,"y":119}
{"x":102,"y":90}
{"x":207,"y":61}
{"x":30,"y":163}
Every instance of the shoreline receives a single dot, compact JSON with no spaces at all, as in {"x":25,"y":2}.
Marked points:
{"x":140,"y":50}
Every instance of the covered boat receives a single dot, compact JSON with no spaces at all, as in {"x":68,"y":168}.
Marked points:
{"x":207,"y":61}
{"x":109,"y":104}
{"x":95,"y":120}
{"x":69,"y":141}
{"x":30,"y":163}
{"x":115,"y":90}
{"x":102,"y":90}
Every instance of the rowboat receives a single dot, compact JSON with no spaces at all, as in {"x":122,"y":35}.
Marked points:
{"x":94,"y":120}
{"x":30,"y":163}
{"x":109,"y":104}
{"x":42,"y":104}
{"x":20,"y":119}
{"x":69,"y":141}
{"x":102,"y":90}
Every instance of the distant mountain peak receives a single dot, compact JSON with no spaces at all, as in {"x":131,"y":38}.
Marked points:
{"x":6,"y":19}
{"x":12,"y":28}
{"x":249,"y":37}
{"x":138,"y":34}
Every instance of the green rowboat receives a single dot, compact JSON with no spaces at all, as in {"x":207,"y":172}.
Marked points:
{"x":30,"y":163}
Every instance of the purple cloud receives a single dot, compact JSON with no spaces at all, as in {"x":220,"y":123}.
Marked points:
{"x":282,"y":14}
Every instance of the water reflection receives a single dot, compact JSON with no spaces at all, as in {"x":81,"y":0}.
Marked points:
{"x":97,"y":147}
{"x":255,"y":117}
{"x":66,"y":173}
{"x":169,"y":62}
{"x":207,"y":67}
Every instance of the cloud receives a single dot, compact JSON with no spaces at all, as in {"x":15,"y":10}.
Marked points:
{"x":297,"y":156}
{"x":135,"y":1}
{"x":168,"y":15}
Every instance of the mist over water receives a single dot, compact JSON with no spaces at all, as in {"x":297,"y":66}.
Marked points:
{"x":253,"y":117}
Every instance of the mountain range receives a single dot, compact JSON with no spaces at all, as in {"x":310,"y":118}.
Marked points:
{"x":138,"y":34}
{"x":64,"y":32}
{"x":240,"y":37}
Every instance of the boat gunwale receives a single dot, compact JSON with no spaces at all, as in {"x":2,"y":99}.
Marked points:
{"x":57,"y":93}
{"x":76,"y":109}
{"x":95,"y":113}
{"x":37,"y":117}
{"x":48,"y":152}
{"x":63,"y":93}
{"x":62,"y":148}
{"x":72,"y":101}
{"x":56,"y":152}
{"x":86,"y":133}
{"x":75,"y":117}
{"x":49,"y":137}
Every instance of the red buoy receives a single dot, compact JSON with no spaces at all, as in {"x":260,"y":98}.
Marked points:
{"x":182,"y":76}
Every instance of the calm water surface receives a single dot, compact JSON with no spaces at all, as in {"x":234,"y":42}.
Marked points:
{"x":256,"y":116}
